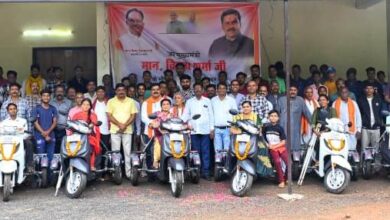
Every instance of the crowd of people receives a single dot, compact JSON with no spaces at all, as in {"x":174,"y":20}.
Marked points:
{"x":43,"y":106}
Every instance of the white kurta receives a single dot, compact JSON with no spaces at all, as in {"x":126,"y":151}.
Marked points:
{"x":344,"y":116}
{"x":311,"y":105}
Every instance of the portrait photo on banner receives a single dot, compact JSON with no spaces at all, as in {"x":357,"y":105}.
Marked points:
{"x":157,"y":36}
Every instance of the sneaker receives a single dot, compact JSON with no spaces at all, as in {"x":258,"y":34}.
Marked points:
{"x":282,"y":185}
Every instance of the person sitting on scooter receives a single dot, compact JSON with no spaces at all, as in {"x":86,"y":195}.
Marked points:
{"x":162,"y":116}
{"x":263,"y":164}
{"x":276,"y":143}
{"x":86,"y":114}
{"x":21,"y":124}
{"x":321,"y":114}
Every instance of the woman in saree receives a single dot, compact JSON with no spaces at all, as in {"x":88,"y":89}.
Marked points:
{"x":86,"y":114}
{"x":162,"y":116}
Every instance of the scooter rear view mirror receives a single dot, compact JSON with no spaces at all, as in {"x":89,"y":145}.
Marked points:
{"x":385,"y":113}
{"x":152,"y":116}
{"x":99,"y":123}
{"x":233,"y":112}
{"x":196,"y":117}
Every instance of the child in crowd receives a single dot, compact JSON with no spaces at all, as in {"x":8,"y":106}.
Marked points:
{"x":276,"y":143}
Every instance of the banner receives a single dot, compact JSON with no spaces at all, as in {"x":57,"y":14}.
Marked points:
{"x":210,"y":36}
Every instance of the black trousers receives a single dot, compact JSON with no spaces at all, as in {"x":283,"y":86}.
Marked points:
{"x":106,"y":139}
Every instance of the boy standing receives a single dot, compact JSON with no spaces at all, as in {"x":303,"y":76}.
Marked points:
{"x":45,"y":116}
{"x":276,"y":143}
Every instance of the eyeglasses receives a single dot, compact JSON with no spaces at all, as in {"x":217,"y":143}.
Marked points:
{"x":133,"y":21}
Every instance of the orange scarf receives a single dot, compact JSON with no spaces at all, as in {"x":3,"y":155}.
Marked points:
{"x":149,"y":110}
{"x":305,"y":124}
{"x":351,"y":112}
{"x":32,"y":80}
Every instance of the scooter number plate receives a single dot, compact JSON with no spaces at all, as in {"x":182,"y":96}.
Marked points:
{"x":176,"y":137}
{"x":74,"y":138}
{"x":243,"y":138}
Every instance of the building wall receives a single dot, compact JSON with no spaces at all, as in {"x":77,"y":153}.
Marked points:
{"x":16,"y":50}
{"x":332,"y":32}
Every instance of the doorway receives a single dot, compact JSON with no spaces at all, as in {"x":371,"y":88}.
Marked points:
{"x":67,"y":58}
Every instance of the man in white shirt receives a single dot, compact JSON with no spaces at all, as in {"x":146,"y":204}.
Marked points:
{"x":100,"y":108}
{"x":234,"y":88}
{"x":221,"y":106}
{"x":149,"y":106}
{"x":91,"y":94}
{"x":136,"y":45}
{"x":349,"y":113}
{"x":203,"y":128}
{"x":21,"y":124}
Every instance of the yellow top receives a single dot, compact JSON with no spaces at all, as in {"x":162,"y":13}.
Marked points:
{"x":331,"y":85}
{"x":121,"y":111}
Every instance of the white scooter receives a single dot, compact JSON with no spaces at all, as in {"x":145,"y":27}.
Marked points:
{"x":333,"y":163}
{"x":12,"y":159}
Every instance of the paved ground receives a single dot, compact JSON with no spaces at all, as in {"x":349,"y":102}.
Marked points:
{"x":208,"y":200}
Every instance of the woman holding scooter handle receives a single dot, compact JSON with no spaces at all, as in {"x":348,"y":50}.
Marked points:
{"x":86,"y":114}
{"x":321,"y":114}
{"x":263,"y":162}
{"x":162,"y":116}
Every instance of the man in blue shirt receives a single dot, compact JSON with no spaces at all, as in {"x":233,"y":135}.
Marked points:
{"x":45,"y":116}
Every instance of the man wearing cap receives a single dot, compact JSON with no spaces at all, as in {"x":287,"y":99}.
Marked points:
{"x":330,"y":83}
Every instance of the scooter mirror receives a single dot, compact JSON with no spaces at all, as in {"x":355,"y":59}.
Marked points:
{"x":233,"y":112}
{"x":152,"y":116}
{"x":99,"y":123}
{"x":385,"y":113}
{"x":196,"y":117}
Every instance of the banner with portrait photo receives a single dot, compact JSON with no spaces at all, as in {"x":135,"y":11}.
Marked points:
{"x":210,"y":36}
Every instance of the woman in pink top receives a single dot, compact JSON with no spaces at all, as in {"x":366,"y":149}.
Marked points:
{"x":162,"y":116}
{"x":76,"y":109}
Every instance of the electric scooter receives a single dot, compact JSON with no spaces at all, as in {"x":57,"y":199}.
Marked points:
{"x":177,"y":159}
{"x":333,"y":163}
{"x":374,"y":159}
{"x":243,"y":152}
{"x":75,"y":165}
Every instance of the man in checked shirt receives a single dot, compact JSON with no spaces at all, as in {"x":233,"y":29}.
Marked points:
{"x":259,"y":103}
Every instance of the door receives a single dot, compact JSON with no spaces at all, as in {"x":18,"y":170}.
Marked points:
{"x":67,"y":58}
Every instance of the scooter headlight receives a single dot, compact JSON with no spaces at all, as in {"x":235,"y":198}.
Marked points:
{"x":7,"y":151}
{"x":335,"y":144}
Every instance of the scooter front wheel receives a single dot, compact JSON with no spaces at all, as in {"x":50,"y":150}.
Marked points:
{"x":75,"y":184}
{"x":44,"y":179}
{"x":241,"y":183}
{"x":336,"y":180}
{"x":117,"y":175}
{"x":176,"y":183}
{"x":217,"y":173}
{"x":295,"y":170}
{"x":195,"y":175}
{"x":7,"y":188}
{"x":367,"y":169}
{"x":134,"y":175}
